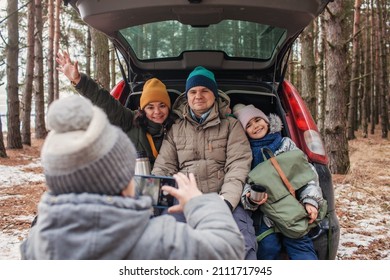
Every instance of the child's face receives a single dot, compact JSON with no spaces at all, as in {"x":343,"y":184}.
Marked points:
{"x":256,"y":128}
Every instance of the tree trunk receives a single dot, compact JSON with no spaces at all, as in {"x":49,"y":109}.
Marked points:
{"x":50,"y":58}
{"x":57,"y":36}
{"x":290,"y":71}
{"x":40,"y":129}
{"x":309,"y":70}
{"x":14,"y":139}
{"x":367,"y":80}
{"x":27,"y":96}
{"x":89,"y":53}
{"x":383,"y":81}
{"x":321,"y":75}
{"x":102,"y":58}
{"x":373,"y":76}
{"x":377,"y":68}
{"x":3,"y":152}
{"x":112,"y":65}
{"x":335,"y":124}
{"x":297,"y":66}
{"x":352,"y":109}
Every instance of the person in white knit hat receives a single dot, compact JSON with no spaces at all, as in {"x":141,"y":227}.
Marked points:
{"x":265,"y":131}
{"x":91,"y":210}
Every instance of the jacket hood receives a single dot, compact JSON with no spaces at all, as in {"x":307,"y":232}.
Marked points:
{"x":181,"y":104}
{"x":87,"y":226}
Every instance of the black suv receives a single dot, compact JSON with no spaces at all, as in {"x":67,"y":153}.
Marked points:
{"x":245,"y":43}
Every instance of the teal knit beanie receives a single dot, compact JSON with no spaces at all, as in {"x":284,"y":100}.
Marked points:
{"x":200,"y":76}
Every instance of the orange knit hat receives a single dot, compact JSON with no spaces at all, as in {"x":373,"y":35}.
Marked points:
{"x":154,"y":91}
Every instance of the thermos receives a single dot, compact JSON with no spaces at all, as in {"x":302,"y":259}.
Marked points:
{"x":142,"y":164}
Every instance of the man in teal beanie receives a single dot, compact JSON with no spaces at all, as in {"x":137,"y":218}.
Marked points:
{"x":200,"y":76}
{"x":210,"y":144}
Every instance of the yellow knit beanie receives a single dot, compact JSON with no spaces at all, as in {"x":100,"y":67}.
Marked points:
{"x":154,"y":91}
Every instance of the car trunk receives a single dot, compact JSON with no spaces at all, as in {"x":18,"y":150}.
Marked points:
{"x":249,"y":80}
{"x":112,"y":17}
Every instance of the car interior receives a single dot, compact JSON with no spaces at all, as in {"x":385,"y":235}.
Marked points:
{"x":265,"y":101}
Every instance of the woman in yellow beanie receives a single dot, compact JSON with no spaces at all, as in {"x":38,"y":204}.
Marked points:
{"x":145,"y":127}
{"x":155,"y":103}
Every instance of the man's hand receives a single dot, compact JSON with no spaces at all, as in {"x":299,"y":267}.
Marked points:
{"x":65,"y":65}
{"x":187,"y":189}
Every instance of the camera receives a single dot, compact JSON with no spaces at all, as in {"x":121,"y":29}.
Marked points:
{"x":151,"y":186}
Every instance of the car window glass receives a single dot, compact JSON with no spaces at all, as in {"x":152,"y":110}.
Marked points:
{"x":237,"y":39}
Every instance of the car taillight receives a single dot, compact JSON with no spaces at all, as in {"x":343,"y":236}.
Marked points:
{"x":117,"y":91}
{"x":310,"y":140}
{"x":314,"y":142}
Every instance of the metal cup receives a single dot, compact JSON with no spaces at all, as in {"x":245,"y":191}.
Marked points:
{"x":257,"y":192}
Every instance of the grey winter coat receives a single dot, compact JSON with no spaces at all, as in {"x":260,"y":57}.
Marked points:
{"x":91,"y":226}
{"x":216,"y":151}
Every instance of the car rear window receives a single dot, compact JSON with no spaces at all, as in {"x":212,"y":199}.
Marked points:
{"x":237,"y":39}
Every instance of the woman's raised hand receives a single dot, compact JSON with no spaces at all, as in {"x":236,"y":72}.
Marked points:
{"x":65,"y":65}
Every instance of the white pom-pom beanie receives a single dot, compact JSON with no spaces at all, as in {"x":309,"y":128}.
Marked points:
{"x":83,"y":152}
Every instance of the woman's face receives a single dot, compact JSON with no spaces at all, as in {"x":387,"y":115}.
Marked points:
{"x":157,"y":112}
{"x":256,"y":128}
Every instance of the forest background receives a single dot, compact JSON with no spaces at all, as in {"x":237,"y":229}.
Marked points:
{"x":339,"y":64}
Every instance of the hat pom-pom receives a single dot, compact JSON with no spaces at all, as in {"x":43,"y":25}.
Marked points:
{"x":238,"y":107}
{"x":69,"y":114}
{"x":275,"y":123}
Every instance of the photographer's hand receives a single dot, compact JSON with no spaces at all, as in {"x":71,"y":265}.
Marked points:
{"x":187,"y":189}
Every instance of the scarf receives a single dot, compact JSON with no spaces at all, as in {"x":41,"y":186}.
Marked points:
{"x":271,"y":141}
{"x":157,"y":131}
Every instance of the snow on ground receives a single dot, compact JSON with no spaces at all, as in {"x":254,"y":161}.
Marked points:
{"x":364,"y":222}
{"x":11,"y":176}
{"x":9,"y":245}
{"x":15,"y":175}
